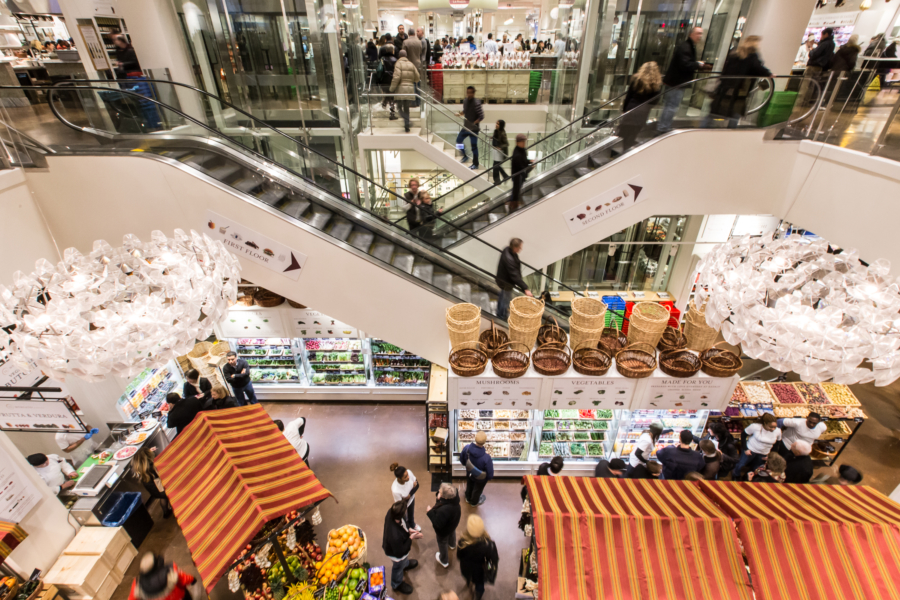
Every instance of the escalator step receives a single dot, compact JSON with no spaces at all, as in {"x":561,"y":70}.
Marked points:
{"x":404,"y":261}
{"x":223,"y":172}
{"x":423,"y":271}
{"x":546,"y":190}
{"x":296,"y":207}
{"x":496,"y":216}
{"x":197,"y":160}
{"x":481,"y":298}
{"x":176,"y":154}
{"x":341,"y":229}
{"x":443,"y":281}
{"x":476,"y":225}
{"x":246,"y":184}
{"x":362,"y":240}
{"x":448,"y":240}
{"x":272,"y":195}
{"x":383,"y":251}
{"x":598,"y":160}
{"x":462,"y":290}
{"x":320,"y":218}
{"x":565,"y":180}
{"x":583,"y":172}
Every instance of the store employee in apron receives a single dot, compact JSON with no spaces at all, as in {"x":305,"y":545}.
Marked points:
{"x":77,"y":446}
{"x":56,"y":473}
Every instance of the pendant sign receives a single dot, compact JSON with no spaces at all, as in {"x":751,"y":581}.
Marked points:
{"x":247,"y":244}
{"x":602,"y":206}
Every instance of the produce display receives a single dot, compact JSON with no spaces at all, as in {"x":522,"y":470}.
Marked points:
{"x":508,"y":431}
{"x":633,"y":423}
{"x":395,"y":366}
{"x":786,"y":393}
{"x":567,"y":429}
{"x":812,"y":393}
{"x":840,"y":394}
{"x":757,"y":392}
{"x":271,"y":359}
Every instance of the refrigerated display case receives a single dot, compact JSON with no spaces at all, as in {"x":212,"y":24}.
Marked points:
{"x":393,"y":365}
{"x":334,"y":361}
{"x":147,"y":392}
{"x":509,"y":431}
{"x":575,"y":434}
{"x":272,"y":360}
{"x":631,"y":423}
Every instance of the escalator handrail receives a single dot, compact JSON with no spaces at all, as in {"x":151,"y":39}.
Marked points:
{"x":37,"y":144}
{"x":410,"y":237}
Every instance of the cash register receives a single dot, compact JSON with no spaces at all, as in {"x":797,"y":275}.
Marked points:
{"x":95,"y":479}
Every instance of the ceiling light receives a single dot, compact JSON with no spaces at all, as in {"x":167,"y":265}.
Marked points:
{"x":118,"y":311}
{"x":865,"y":5}
{"x":508,"y":22}
{"x":407,"y":21}
{"x":554,"y":12}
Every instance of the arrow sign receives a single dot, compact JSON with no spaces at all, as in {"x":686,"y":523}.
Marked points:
{"x":251,"y":246}
{"x":637,"y":190}
{"x":600,"y":207}
{"x":295,"y":266}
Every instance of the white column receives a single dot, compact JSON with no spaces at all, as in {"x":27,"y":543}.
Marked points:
{"x":782,"y":25}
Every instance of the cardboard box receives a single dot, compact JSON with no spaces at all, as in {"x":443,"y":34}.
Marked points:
{"x":79,"y":575}
{"x":105,"y":541}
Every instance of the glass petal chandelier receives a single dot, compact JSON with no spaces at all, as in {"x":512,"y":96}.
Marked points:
{"x":118,"y":311}
{"x":800,"y":308}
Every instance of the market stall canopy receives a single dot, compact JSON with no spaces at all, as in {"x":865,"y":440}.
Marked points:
{"x":11,"y":535}
{"x":228,"y":474}
{"x":814,"y":541}
{"x":633,"y":539}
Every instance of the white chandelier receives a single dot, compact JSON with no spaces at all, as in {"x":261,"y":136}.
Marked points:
{"x":118,"y":311}
{"x":792,"y":304}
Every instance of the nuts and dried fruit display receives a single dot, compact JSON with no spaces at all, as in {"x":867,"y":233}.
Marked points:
{"x":500,"y":429}
{"x":836,"y":429}
{"x":757,"y":392}
{"x":783,"y":412}
{"x":739,"y":396}
{"x":497,"y":450}
{"x":466,"y":425}
{"x":812,"y":393}
{"x":840,"y":394}
{"x":498,"y":436}
{"x":786,"y":393}
{"x":842,"y":412}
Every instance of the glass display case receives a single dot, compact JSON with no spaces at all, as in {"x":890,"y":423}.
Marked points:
{"x":272,"y":359}
{"x":629,"y":424}
{"x":576,"y":434}
{"x":147,"y":392}
{"x":510,"y":432}
{"x":395,"y":366}
{"x":334,"y":361}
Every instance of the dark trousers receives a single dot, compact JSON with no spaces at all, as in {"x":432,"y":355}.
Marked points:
{"x":404,"y":112}
{"x":473,"y":142}
{"x":749,"y":462}
{"x":245,"y":395}
{"x":411,"y":515}
{"x":474,"y":489}
{"x":498,"y":171}
{"x":516,"y":199}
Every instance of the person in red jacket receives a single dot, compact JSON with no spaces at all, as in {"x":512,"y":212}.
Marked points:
{"x":159,"y":580}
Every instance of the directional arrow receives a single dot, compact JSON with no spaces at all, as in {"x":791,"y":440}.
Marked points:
{"x":637,"y":190}
{"x":294,"y":264}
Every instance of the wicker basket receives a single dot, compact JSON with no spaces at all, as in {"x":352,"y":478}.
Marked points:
{"x":720,"y":363}
{"x":295,"y":304}
{"x":636,"y":361}
{"x":526,"y":337}
{"x":588,"y":360}
{"x":525,"y":312}
{"x":463,"y":323}
{"x":220,"y":348}
{"x":552,"y":358}
{"x":672,"y":339}
{"x":491,"y":339}
{"x":588,"y":313}
{"x":551,"y":333}
{"x":512,"y":360}
{"x":267,"y":299}
{"x":468,"y":360}
{"x":679,"y":363}
{"x":647,"y":323}
{"x":579,"y":335}
{"x":697,"y":332}
{"x":360,"y":554}
{"x":199,"y":356}
{"x":245,"y":300}
{"x":612,"y":340}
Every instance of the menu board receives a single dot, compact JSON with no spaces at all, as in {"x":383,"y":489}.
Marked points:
{"x":613,"y":393}
{"x":52,"y":416}
{"x":687,"y":393}
{"x":18,"y":495}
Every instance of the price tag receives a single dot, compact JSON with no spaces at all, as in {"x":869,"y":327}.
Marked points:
{"x":823,"y":418}
{"x":858,"y":419}
{"x":838,"y":440}
{"x":622,"y":294}
{"x":359,"y":532}
{"x":383,"y":593}
{"x":593,"y":294}
{"x":319,"y":593}
{"x":726,"y":419}
{"x":554,"y":294}
{"x":345,"y":555}
{"x":361,"y":586}
{"x":333,"y":584}
{"x":663,"y":295}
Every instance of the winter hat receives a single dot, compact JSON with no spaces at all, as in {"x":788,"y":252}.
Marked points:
{"x":521,"y":138}
{"x":480,"y":438}
{"x":475,"y":526}
{"x":402,"y":54}
{"x":850,"y":474}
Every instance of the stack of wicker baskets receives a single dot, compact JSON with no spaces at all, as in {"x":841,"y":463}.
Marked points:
{"x":463,"y":323}
{"x":700,"y":336}
{"x":587,"y":321}
{"x":525,"y":314}
{"x":205,"y":354}
{"x":647,"y":323}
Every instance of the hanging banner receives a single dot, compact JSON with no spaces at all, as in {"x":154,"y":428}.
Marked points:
{"x":255,"y":247}
{"x":45,"y":416}
{"x":18,"y":495}
{"x":602,"y":206}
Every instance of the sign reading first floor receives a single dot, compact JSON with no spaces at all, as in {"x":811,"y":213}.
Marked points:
{"x":247,"y":244}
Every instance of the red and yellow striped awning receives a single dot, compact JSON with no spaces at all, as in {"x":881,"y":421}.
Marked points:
{"x":11,"y":535}
{"x":227,"y":474}
{"x":632,"y":539}
{"x":815,"y":542}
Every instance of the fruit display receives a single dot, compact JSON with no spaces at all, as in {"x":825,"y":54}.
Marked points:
{"x":786,"y":393}
{"x":395,"y":366}
{"x":757,"y":392}
{"x":348,"y":537}
{"x":840,"y":394}
{"x":812,"y":393}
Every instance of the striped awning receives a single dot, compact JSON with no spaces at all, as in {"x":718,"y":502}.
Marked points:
{"x":815,"y":542}
{"x":227,"y":474}
{"x":632,"y":539}
{"x":11,"y":535}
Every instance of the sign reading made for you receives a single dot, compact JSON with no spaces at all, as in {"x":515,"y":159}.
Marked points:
{"x":603,"y":206}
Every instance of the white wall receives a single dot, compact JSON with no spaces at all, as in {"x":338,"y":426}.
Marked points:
{"x":782,"y":25}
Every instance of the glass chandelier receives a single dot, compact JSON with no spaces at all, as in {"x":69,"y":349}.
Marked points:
{"x":794,"y":305}
{"x":118,"y":311}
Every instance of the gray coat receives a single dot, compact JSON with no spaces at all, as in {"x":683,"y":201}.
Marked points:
{"x":405,"y":76}
{"x":414,"y":50}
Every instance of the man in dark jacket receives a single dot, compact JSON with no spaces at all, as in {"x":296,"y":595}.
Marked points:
{"x":399,"y":39}
{"x":610,"y":469}
{"x":681,"y":70}
{"x":444,"y":517}
{"x":396,"y":542}
{"x":509,"y":275}
{"x":820,"y":57}
{"x":678,"y":461}
{"x":712,"y":458}
{"x":519,"y":166}
{"x":799,"y":464}
{"x":196,"y":386}
{"x":649,"y":470}
{"x":479,"y":469}
{"x":473,"y":115}
{"x":237,"y":374}
{"x":182,"y":411}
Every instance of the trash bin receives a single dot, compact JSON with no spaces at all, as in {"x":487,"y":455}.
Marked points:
{"x":125,"y":509}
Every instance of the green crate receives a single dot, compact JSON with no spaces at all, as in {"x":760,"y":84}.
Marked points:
{"x":778,"y":110}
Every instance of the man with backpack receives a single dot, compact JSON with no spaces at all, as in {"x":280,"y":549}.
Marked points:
{"x":479,"y":469}
{"x":385,"y":73}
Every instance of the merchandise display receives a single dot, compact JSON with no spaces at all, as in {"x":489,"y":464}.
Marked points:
{"x":509,"y":431}
{"x":575,"y":433}
{"x":630,"y":424}
{"x":271,"y":359}
{"x":395,"y":366}
{"x":146,"y":394}
{"x":336,"y":361}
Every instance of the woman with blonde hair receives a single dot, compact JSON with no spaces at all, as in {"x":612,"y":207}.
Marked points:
{"x":739,"y":74}
{"x":477,"y":555}
{"x":144,"y":470}
{"x":642,"y":94}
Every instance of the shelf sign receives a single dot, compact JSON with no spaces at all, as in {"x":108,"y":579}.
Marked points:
{"x":613,"y":393}
{"x":495,"y":392}
{"x":38,"y":416}
{"x":313,"y":324}
{"x":602,"y":206}
{"x":688,"y":393}
{"x":247,"y":244}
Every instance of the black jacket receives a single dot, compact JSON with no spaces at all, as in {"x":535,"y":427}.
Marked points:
{"x":509,"y":271}
{"x":395,"y":541}
{"x":204,"y":393}
{"x":233,"y":373}
{"x":128,"y":58}
{"x":472,"y":559}
{"x":712,"y":466}
{"x":414,"y":216}
{"x":445,"y":515}
{"x":519,"y":162}
{"x":371,"y":53}
{"x":473,"y":114}
{"x":730,"y":98}
{"x":845,"y":58}
{"x":822,"y":55}
{"x":633,"y":99}
{"x":602,"y":470}
{"x":398,"y":44}
{"x":684,"y":64}
{"x":500,"y":141}
{"x":799,"y":469}
{"x":678,"y":462}
{"x":544,"y":469}
{"x":639,"y":472}
{"x":181,"y":415}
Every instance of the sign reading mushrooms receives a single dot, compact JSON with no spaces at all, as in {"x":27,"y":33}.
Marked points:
{"x":602,"y":206}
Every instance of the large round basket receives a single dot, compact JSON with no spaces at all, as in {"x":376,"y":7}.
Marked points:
{"x":267,"y":299}
{"x":717,"y":362}
{"x":552,"y":358}
{"x":647,"y":323}
{"x":679,"y":363}
{"x":588,"y":313}
{"x":697,"y":332}
{"x":526,"y":337}
{"x":612,"y":340}
{"x":552,"y":332}
{"x":672,"y":339}
{"x":525,"y":312}
{"x":463,"y":323}
{"x":491,"y":339}
{"x":360,"y":553}
{"x":636,"y":361}
{"x":512,"y":360}
{"x":199,"y":356}
{"x":588,"y":360}
{"x":468,"y":359}
{"x":579,"y":335}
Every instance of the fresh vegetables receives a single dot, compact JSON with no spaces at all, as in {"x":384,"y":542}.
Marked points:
{"x":595,"y":450}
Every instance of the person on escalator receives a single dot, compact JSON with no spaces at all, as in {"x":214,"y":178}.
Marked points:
{"x":520,"y":166}
{"x":741,"y":67}
{"x":404,"y":81}
{"x":642,"y":94}
{"x":473,"y":114}
{"x":499,"y":148}
{"x":428,"y":212}
{"x":509,"y":275}
{"x":388,"y":61}
{"x":127,"y":64}
{"x":681,"y":70}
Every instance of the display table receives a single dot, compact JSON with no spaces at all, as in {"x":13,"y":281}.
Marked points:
{"x":93,"y":564}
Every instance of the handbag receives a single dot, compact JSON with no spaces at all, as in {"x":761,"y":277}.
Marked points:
{"x":473,"y":471}
{"x":491,"y":563}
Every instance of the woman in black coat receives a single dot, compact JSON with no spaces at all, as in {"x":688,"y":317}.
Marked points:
{"x":396,"y":541}
{"x":642,"y":94}
{"x":726,"y":444}
{"x":738,"y":78}
{"x":476,"y":548}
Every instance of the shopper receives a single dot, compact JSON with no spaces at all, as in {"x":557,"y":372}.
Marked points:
{"x":399,"y":39}
{"x":540,"y":47}
{"x":415,"y":55}
{"x":804,"y":50}
{"x":820,"y":58}
{"x":610,"y":469}
{"x":490,"y":46}
{"x":396,"y":543}
{"x":56,"y":473}
{"x":650,"y":470}
{"x":713,"y":459}
{"x":642,"y":94}
{"x":520,"y":165}
{"x":197,"y":387}
{"x":159,"y":580}
{"x":477,"y":552}
{"x":127,"y":64}
{"x":388,"y":62}
{"x":428,"y":213}
{"x":771,"y":472}
{"x":371,"y":53}
{"x":727,"y":446}
{"x":386,"y":41}
{"x":551,"y":468}
{"x":678,"y":461}
{"x":799,"y":465}
{"x":681,"y":70}
{"x":808,"y":430}
{"x":500,"y":150}
{"x":473,"y":115}
{"x":426,"y":55}
{"x":509,"y":275}
{"x":77,"y":446}
{"x":845,"y":57}
{"x":559,"y":49}
{"x":479,"y":469}
{"x":221,"y":399}
{"x":445,"y":515}
{"x":293,"y":432}
{"x":406,"y":76}
{"x":643,"y":448}
{"x":144,"y":470}
{"x":741,"y":66}
{"x":182,"y":411}
{"x":237,"y":375}
{"x":762,"y":436}
{"x":404,"y":490}
{"x":848,"y":475}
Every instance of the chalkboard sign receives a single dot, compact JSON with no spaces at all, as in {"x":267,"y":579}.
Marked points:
{"x":319,"y":593}
{"x":345,"y":555}
{"x":361,"y":586}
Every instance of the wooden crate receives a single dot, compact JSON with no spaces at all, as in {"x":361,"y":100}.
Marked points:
{"x":105,"y":591}
{"x":123,"y":561}
{"x":49,"y":592}
{"x":105,"y":541}
{"x":79,"y":576}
